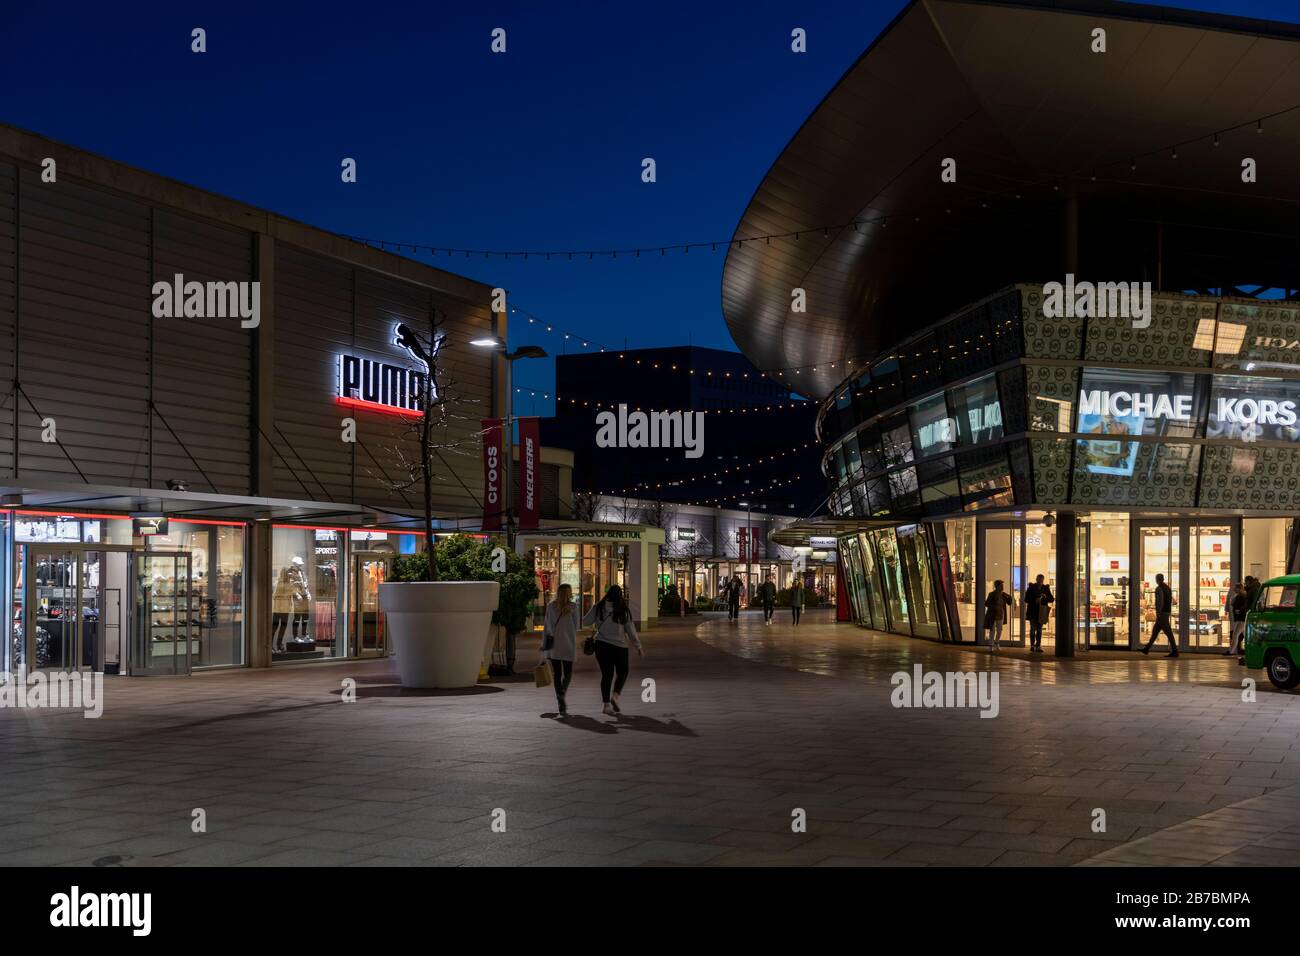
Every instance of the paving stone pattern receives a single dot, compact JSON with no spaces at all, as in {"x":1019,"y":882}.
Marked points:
{"x":750,"y":723}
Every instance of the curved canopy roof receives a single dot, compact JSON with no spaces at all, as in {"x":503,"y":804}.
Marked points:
{"x":1015,"y":94}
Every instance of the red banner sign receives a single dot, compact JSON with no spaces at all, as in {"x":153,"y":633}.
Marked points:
{"x":530,"y":474}
{"x":493,"y":463}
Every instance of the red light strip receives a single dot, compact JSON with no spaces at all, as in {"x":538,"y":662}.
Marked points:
{"x":104,"y":517}
{"x":322,"y":527}
{"x":376,"y":407}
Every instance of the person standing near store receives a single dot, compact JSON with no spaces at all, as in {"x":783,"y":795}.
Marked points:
{"x":1038,"y":608}
{"x":614,"y":633}
{"x":996,"y":613}
{"x":796,"y":599}
{"x":1164,"y":608}
{"x":560,"y":641}
{"x":1252,"y":590}
{"x":733,"y":598}
{"x":1237,"y":619}
{"x":767,"y":597}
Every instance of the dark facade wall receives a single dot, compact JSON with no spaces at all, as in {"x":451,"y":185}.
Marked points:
{"x":324,"y":308}
{"x":77,"y":266}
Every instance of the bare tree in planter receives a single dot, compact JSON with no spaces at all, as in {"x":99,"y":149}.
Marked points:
{"x":420,"y":458}
{"x":438,"y":626}
{"x":587,"y":506}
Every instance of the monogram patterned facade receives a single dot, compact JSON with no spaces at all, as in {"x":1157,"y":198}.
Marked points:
{"x":1004,"y":406}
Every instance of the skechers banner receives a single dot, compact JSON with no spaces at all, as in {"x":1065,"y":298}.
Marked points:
{"x":492,"y":465}
{"x":530,"y":447}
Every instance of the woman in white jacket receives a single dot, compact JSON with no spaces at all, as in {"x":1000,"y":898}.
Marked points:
{"x":614,"y":632}
{"x":560,"y":641}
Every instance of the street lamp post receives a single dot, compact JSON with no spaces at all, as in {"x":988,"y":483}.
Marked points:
{"x":749,"y":556}
{"x":524,"y":351}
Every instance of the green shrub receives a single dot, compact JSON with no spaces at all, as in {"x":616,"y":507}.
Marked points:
{"x":465,"y":558}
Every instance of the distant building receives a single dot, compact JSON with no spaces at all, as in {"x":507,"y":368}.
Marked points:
{"x":758,"y":441}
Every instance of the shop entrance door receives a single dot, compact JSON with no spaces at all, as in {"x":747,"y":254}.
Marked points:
{"x":53,"y":639}
{"x":365,"y":620}
{"x":1000,"y":556}
{"x":1159,"y":550}
{"x":165,"y":617}
{"x":72,"y":600}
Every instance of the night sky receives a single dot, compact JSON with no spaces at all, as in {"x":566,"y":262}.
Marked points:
{"x":538,"y":148}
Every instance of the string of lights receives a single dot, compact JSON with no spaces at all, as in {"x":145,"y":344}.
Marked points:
{"x":738,"y":410}
{"x":736,"y":469}
{"x":1054,"y":182}
{"x":750,"y":492}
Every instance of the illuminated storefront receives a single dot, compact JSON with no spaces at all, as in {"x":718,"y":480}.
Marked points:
{"x":1188,"y":470}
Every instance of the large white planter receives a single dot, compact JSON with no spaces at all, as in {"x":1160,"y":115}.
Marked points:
{"x":437,"y":629}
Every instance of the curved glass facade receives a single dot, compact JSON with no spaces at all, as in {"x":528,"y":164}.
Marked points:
{"x":1002,"y":407}
{"x":1167,"y":446}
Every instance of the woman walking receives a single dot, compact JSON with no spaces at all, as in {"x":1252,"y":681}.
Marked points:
{"x":560,"y":641}
{"x":614,"y":633}
{"x":796,"y":599}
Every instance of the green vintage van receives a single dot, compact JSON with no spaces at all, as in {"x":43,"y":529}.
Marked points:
{"x":1273,"y":631}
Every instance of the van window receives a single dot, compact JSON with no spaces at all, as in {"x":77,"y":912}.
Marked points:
{"x":1278,"y":598}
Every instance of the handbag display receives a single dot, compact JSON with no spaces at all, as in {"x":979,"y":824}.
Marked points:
{"x":542,"y":675}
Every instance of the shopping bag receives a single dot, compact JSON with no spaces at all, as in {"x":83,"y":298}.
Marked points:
{"x":1044,"y":614}
{"x":542,"y":675}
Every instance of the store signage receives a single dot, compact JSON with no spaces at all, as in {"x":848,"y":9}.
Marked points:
{"x":685,"y":534}
{"x":530,"y":450}
{"x":1265,"y":342}
{"x":148,"y":526}
{"x":493,"y":461}
{"x":384,"y":386}
{"x":823,"y":542}
{"x":1178,"y":407}
{"x":1127,"y":404}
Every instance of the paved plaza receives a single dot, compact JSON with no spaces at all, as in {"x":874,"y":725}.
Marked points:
{"x":749,"y":725}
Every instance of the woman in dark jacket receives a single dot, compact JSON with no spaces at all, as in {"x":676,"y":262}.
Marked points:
{"x":614,"y":633}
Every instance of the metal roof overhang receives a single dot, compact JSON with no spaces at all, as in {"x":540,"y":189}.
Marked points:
{"x":1012,"y":91}
{"x":179,"y":505}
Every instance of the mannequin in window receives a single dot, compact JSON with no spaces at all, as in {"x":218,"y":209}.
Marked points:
{"x":301,"y":598}
{"x":281,"y":609}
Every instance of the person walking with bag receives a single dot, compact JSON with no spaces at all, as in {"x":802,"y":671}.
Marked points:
{"x":560,"y":641}
{"x":796,"y":599}
{"x":733,"y":598}
{"x":1038,"y":608}
{"x":614,"y":633}
{"x":996,"y":613}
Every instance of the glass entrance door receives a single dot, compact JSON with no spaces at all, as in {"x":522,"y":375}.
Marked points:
{"x":53,"y":639}
{"x":1212,"y":558}
{"x":366,"y":620}
{"x":1001,"y":557}
{"x":1159,"y":552}
{"x":164,"y":618}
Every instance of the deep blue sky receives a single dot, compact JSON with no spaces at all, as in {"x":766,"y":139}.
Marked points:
{"x":540,"y":147}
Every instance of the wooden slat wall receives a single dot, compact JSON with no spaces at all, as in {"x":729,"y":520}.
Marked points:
{"x":84,"y":313}
{"x":325,"y":308}
{"x":77,"y":264}
{"x":202,"y":368}
{"x":8,"y":307}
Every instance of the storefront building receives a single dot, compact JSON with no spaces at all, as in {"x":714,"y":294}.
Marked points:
{"x":1182,"y":463}
{"x":1051,"y":315}
{"x":593,"y":556}
{"x":207,"y":487}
